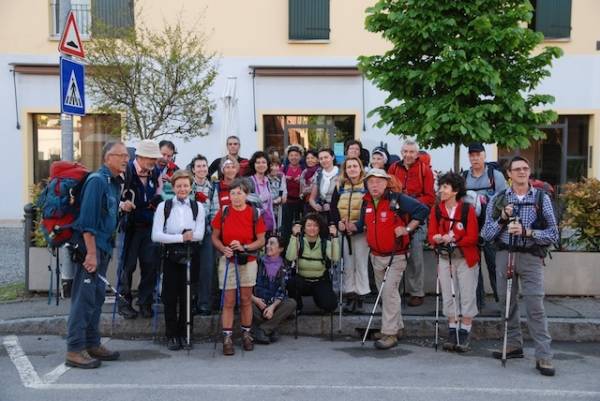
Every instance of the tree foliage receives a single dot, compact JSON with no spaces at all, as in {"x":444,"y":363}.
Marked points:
{"x":582,"y":213}
{"x":160,"y":79}
{"x":460,"y":71}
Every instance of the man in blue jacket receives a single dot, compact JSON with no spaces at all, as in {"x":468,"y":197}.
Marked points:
{"x":95,"y":225}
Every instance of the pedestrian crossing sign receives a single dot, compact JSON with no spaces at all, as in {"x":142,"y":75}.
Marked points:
{"x":72,"y":87}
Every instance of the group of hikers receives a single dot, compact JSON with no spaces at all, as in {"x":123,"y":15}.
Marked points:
{"x":280,"y":227}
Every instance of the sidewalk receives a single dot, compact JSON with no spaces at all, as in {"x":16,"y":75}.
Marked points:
{"x":569,"y":319}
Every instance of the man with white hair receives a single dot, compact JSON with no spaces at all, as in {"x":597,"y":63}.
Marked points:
{"x":416,"y":179}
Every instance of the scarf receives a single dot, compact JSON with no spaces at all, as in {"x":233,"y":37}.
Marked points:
{"x":272,"y":265}
{"x":326,"y":181}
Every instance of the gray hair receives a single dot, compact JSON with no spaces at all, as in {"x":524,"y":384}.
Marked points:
{"x":241,"y":183}
{"x":410,"y":142}
{"x":108,"y":146}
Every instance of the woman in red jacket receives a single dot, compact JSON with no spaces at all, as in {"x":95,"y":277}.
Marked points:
{"x":454,"y":232}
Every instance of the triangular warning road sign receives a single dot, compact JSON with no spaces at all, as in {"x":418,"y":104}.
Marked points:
{"x":73,"y":96}
{"x":70,"y":42}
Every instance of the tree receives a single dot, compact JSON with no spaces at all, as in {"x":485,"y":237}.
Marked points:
{"x":460,"y":71}
{"x":160,"y":80}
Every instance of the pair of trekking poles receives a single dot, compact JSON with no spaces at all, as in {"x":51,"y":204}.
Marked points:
{"x":222,"y":301}
{"x":447,"y":250}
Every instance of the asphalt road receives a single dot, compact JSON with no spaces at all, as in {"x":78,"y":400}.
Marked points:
{"x":304,"y":369}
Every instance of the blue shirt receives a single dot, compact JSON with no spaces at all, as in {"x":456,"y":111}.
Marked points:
{"x":527,"y":212}
{"x":99,"y":208}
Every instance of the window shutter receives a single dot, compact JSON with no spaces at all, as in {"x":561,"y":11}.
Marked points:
{"x":553,"y":18}
{"x":308,"y":19}
{"x":117,"y":14}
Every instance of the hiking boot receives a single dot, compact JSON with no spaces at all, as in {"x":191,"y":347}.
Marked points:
{"x":450,"y":343}
{"x":81,"y":360}
{"x":464,"y":344}
{"x":386,"y":342}
{"x":415,"y":301}
{"x":173,"y":344}
{"x":260,"y":337}
{"x":126,"y":310}
{"x":379,"y":335}
{"x":146,"y":311}
{"x":274,"y":336}
{"x":510,"y":353}
{"x":247,"y":341}
{"x":228,"y":345}
{"x":102,"y":353}
{"x":545,"y":367}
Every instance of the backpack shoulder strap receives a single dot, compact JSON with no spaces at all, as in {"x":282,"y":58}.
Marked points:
{"x":194,"y":206}
{"x":224,"y":214}
{"x":490,"y":173}
{"x":167,"y":211}
{"x":324,"y":249}
{"x":438,"y":213}
{"x":464,"y":215}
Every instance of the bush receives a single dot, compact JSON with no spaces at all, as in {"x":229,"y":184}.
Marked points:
{"x":582,"y":213}
{"x":37,"y":237}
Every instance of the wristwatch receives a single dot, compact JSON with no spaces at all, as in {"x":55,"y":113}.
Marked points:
{"x":408,"y":229}
{"x":245,"y":248}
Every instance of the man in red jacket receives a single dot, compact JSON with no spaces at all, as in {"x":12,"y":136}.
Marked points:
{"x":416,"y":179}
{"x":389,"y":219}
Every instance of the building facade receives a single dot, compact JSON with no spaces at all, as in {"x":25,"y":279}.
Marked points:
{"x":291,"y":66}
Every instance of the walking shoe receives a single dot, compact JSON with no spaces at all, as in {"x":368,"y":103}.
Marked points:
{"x":415,"y":301}
{"x":464,"y":344}
{"x":511,"y":353}
{"x":247,"y":341}
{"x":260,"y":337}
{"x":81,"y":360}
{"x":228,"y":345}
{"x":102,"y":353}
{"x":545,"y":367}
{"x":173,"y":344}
{"x":146,"y":311}
{"x":126,"y":310}
{"x":450,"y":343}
{"x":184,"y":344}
{"x":386,"y":342}
{"x":379,"y":335}
{"x":274,"y":336}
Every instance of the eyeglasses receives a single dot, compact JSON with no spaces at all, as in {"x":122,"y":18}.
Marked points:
{"x":120,"y":155}
{"x":520,"y":169}
{"x":233,"y":144}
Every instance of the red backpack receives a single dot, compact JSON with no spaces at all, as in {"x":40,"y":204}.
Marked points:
{"x":60,"y":201}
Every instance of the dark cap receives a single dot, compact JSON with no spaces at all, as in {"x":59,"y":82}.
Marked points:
{"x":476,"y":147}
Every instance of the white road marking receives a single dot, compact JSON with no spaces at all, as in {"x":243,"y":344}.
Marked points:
{"x":61,"y":369}
{"x":30,"y":379}
{"x":29,"y":376}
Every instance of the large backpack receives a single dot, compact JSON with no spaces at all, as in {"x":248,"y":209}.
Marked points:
{"x":60,"y":201}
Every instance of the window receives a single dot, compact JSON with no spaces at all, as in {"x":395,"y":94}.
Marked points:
{"x":83,"y":16}
{"x":552,"y":18}
{"x":108,"y":15}
{"x":309,"y":20}
{"x":90,"y":133}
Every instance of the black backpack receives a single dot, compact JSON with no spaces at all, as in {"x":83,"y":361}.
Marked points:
{"x":169,"y":206}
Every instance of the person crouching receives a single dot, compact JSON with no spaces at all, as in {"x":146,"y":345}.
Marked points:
{"x":271,"y":305}
{"x":179,"y":224}
{"x":454,"y":233}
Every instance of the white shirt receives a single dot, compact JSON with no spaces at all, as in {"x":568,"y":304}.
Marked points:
{"x":180,"y":219}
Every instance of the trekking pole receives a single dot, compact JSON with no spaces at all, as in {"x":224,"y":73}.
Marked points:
{"x":221,"y":306}
{"x":509,"y":278}
{"x":341,"y":301}
{"x":238,"y":299}
{"x":57,"y":272}
{"x":157,"y":293}
{"x":387,"y":269}
{"x":105,"y":281}
{"x":51,"y":276}
{"x":454,"y":300}
{"x":437,"y":303}
{"x":295,"y":267}
{"x":188,"y":322}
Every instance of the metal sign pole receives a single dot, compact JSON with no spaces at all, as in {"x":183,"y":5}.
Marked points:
{"x":66,"y":120}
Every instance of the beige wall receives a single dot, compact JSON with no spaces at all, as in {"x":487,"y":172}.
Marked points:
{"x":254,"y":28}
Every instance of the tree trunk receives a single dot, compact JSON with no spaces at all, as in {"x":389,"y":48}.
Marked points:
{"x":457,"y":157}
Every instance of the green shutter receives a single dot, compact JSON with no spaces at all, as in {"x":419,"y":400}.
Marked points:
{"x":113,"y":14}
{"x":308,"y":19}
{"x":553,"y":18}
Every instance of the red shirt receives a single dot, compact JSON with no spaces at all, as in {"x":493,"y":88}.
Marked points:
{"x":238,"y":225}
{"x":224,"y":199}
{"x":292,"y":179}
{"x":465,"y":240}
{"x":416,"y":181}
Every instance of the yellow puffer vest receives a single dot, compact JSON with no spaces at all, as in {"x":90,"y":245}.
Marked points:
{"x":350,"y":200}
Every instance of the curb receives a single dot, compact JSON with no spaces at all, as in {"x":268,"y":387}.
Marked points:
{"x":561,"y":329}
